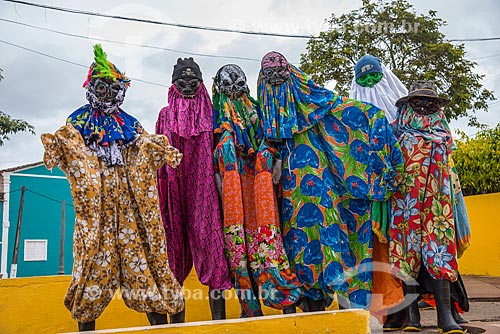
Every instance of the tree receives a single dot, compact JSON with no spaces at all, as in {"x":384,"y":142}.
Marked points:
{"x":478,"y":162}
{"x":9,"y":125}
{"x":410,"y":45}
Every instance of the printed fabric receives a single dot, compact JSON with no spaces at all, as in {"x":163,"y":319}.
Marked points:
{"x":119,"y":238}
{"x":188,"y":194}
{"x":422,"y":229}
{"x":253,"y":242}
{"x":106,"y":133}
{"x":340,"y":156}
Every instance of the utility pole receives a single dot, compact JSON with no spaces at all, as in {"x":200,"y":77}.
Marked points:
{"x":5,"y":186}
{"x":61,"y":245}
{"x":13,"y":268}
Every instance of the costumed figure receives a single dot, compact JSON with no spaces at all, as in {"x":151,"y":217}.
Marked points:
{"x":111,"y":163}
{"x":376,"y":84}
{"x":188,"y":194}
{"x":422,"y":230}
{"x":338,"y":156}
{"x":245,"y":162}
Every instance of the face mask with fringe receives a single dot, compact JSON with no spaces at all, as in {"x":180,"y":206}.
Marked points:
{"x":105,"y":128}
{"x":106,"y":84}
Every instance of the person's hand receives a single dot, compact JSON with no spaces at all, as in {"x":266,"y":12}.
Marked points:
{"x":174,"y":157}
{"x":277,"y":172}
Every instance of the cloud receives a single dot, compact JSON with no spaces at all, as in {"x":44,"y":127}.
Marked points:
{"x":45,"y":91}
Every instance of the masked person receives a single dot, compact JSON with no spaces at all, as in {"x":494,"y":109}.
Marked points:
{"x":244,"y":161}
{"x":338,"y":155}
{"x":119,"y":242}
{"x":376,"y":84}
{"x":422,"y":230}
{"x":188,"y":195}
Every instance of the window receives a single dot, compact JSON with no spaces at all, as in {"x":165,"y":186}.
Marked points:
{"x":35,"y":250}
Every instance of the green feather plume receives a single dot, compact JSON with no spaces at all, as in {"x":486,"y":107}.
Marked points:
{"x":101,"y":64}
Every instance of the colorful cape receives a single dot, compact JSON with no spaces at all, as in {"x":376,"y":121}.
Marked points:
{"x":422,"y":226}
{"x":253,"y":241}
{"x":339,"y":155}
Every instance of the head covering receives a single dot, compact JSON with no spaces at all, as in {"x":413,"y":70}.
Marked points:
{"x":105,"y":128}
{"x":294,"y":106}
{"x":240,"y":116}
{"x":103,"y":68}
{"x":186,"y":68}
{"x":274,"y":59}
{"x":433,"y":127}
{"x":367,"y":64}
{"x":236,"y":80}
{"x":186,"y":117}
{"x":384,"y":94}
{"x":424,"y":88}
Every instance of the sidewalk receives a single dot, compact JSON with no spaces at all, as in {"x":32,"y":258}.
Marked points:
{"x":484,"y":297}
{"x":484,"y":313}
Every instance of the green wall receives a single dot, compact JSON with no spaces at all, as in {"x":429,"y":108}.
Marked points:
{"x":41,"y":219}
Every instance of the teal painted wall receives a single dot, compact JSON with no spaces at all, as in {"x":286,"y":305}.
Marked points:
{"x":41,"y":219}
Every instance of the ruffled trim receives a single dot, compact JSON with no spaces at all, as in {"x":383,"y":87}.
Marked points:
{"x":106,"y":134}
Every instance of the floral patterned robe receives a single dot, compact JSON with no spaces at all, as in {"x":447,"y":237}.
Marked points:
{"x":119,"y":241}
{"x":422,"y":228}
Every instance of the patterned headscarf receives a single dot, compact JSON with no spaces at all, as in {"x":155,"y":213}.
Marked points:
{"x":433,"y":127}
{"x":293,"y":107}
{"x":241,"y":117}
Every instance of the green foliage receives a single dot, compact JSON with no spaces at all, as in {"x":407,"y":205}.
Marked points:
{"x":410,"y":45}
{"x":478,"y":162}
{"x":9,"y":126}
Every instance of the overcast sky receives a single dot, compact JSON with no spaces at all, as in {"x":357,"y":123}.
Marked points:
{"x":44,"y":91}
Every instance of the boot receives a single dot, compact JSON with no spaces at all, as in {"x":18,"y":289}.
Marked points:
{"x":290,"y":309}
{"x":423,"y":305}
{"x":456,"y":315}
{"x":86,"y":326}
{"x":446,"y":323}
{"x":178,"y":318}
{"x":315,"y":305}
{"x":412,"y":322}
{"x":157,"y":318}
{"x":394,"y":320}
{"x":217,"y":304}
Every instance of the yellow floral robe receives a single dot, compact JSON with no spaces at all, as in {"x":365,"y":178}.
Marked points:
{"x":119,"y":240}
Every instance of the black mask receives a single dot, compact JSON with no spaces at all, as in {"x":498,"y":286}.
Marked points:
{"x":424,"y":105}
{"x":105,"y":89}
{"x":276,"y":75}
{"x":187,"y":86}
